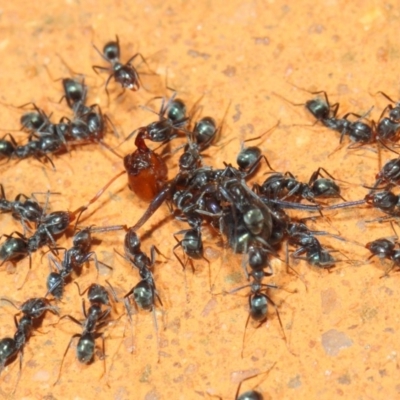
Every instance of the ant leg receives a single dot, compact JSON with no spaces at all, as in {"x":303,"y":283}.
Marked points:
{"x":2,"y":193}
{"x":317,"y":174}
{"x":293,"y":191}
{"x":157,"y":333}
{"x":103,"y":356}
{"x":279,"y":319}
{"x":385,"y":95}
{"x":120,"y":94}
{"x":109,"y":148}
{"x":79,"y":289}
{"x":129,"y":136}
{"x":183,"y":267}
{"x":388,"y":107}
{"x":110,"y":123}
{"x":70,"y":317}
{"x":21,"y":357}
{"x":251,"y":377}
{"x":96,"y":262}
{"x":153,"y":250}
{"x":143,"y":60}
{"x":46,"y":157}
{"x":12,"y":303}
{"x":106,"y":89}
{"x":55,"y":262}
{"x":155,"y":204}
{"x":331,"y":106}
{"x":260,"y":136}
{"x":65,"y":353}
{"x":179,"y":244}
{"x":388,"y":270}
{"x":98,"y":67}
{"x":113,"y":293}
{"x":128,"y":305}
{"x":84,"y":308}
{"x":98,"y":194}
{"x":257,"y":163}
{"x":245,"y":328}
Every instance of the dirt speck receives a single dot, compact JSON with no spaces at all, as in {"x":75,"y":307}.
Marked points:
{"x":238,"y":113}
{"x":229,"y":71}
{"x":329,"y":300}
{"x":295,"y":382}
{"x":265,"y":41}
{"x":333,"y":341}
{"x":344,"y":380}
{"x":209,"y":307}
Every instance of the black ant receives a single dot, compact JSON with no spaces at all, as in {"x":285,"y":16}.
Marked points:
{"x":125,"y":74}
{"x":385,"y":201}
{"x":49,"y":225}
{"x":28,"y":210}
{"x":37,"y":148}
{"x":205,"y":130}
{"x":40,"y":148}
{"x":283,"y":186}
{"x":32,"y":310}
{"x":385,"y":248}
{"x":36,"y":123}
{"x":388,"y":128}
{"x":96,"y":317}
{"x":321,"y":110}
{"x":249,"y":158}
{"x":315,"y":254}
{"x":359,"y":132}
{"x":259,"y":301}
{"x":389,"y":174}
{"x":172,"y":119}
{"x":74,"y":258}
{"x":75,"y":93}
{"x":192,"y":246}
{"x":7,"y":147}
{"x":144,"y":293}
{"x":249,"y":394}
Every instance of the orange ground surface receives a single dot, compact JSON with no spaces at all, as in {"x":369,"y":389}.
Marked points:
{"x":341,"y":332}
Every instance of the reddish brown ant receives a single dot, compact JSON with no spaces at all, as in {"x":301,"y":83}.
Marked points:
{"x":147,"y":171}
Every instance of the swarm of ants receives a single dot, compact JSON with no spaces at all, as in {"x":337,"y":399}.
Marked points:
{"x":250,"y":220}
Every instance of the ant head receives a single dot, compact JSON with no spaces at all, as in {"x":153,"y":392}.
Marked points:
{"x":318,"y":108}
{"x":111,"y":51}
{"x":380,"y":246}
{"x":98,"y":294}
{"x":189,"y":160}
{"x":32,"y":121}
{"x":383,"y":199}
